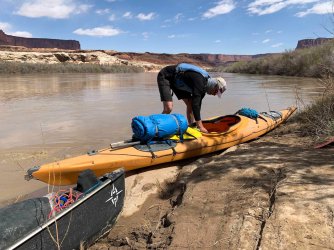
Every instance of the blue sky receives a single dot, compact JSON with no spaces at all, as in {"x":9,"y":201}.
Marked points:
{"x":172,"y":26}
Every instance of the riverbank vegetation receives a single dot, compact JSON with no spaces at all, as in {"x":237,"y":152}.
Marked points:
{"x":25,"y":68}
{"x":317,"y":119}
{"x":308,"y":62}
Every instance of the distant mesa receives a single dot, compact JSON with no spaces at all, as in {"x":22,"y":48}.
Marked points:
{"x":203,"y":59}
{"x":8,"y":40}
{"x":307,"y":43}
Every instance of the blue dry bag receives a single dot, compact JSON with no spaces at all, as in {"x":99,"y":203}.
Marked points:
{"x":159,"y":126}
{"x":250,"y":113}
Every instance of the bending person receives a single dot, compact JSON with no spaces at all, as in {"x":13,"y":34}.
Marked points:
{"x":189,"y":83}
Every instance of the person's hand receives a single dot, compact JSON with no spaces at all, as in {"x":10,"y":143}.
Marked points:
{"x":200,"y":126}
{"x":203,"y":130}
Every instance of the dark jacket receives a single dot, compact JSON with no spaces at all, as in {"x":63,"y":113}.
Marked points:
{"x":195,"y":88}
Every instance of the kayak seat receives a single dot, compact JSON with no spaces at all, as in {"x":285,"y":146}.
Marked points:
{"x":221,"y":124}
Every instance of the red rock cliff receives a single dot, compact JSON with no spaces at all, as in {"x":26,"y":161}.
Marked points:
{"x":38,"y":42}
{"x":307,"y":43}
{"x":208,"y":60}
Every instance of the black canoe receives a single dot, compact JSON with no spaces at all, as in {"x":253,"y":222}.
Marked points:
{"x":52,"y":222}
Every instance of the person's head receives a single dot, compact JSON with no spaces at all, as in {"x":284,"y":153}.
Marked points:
{"x":216,"y":86}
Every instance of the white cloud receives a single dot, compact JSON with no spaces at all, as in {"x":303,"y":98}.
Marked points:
{"x":21,"y":34}
{"x":177,"y":17}
{"x":177,"y":36}
{"x":98,"y":31}
{"x":222,"y":7}
{"x":218,"y":41}
{"x":268,"y":31}
{"x":112,"y":17}
{"x":265,"y":7}
{"x":146,"y":17}
{"x":102,"y":11}
{"x":266,"y":41}
{"x":57,"y":9}
{"x":277,"y":45}
{"x":320,"y":8}
{"x":127,"y":14}
{"x":82,"y":8}
{"x":5,"y":26}
{"x":145,"y":35}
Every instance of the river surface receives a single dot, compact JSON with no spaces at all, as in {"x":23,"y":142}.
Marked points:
{"x":96,"y":109}
{"x":48,"y":117}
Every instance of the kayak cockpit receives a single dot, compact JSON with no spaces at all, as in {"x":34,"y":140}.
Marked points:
{"x":221,"y":124}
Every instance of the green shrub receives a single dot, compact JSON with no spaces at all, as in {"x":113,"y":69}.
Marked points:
{"x":317,"y":119}
{"x":308,"y":62}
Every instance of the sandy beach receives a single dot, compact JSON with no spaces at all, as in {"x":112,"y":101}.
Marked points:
{"x":272,"y":193}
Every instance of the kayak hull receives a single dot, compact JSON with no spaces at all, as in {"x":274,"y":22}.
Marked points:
{"x":242,"y":129}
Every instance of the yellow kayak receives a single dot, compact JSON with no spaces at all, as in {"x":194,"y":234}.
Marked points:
{"x":224,"y":132}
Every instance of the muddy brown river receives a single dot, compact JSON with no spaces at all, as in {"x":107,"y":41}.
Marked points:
{"x":45,"y":117}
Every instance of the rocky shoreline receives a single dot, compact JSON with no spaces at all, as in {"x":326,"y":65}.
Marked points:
{"x":150,"y":62}
{"x":54,"y":56}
